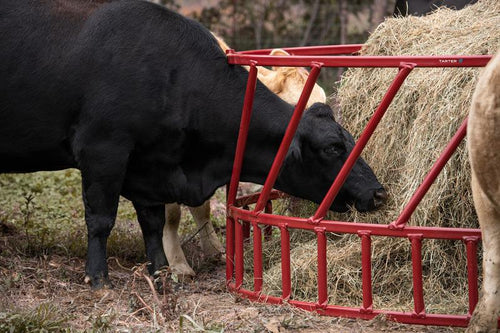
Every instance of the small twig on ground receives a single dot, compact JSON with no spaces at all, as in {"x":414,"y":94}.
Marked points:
{"x":153,"y":290}
{"x":196,"y":233}
{"x":119,"y":264}
{"x":146,"y":306}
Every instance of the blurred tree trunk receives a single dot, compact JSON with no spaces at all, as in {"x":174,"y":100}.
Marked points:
{"x":379,"y":9}
{"x":329,"y":15}
{"x":257,"y":11}
{"x":343,"y":30}
{"x":280,"y":21}
{"x":258,"y":32}
{"x":314,"y":14}
{"x":343,"y":21}
{"x":233,"y":24}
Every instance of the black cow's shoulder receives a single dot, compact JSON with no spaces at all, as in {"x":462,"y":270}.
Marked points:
{"x":81,"y":79}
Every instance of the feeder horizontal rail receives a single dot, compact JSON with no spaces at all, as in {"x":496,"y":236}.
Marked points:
{"x":403,"y":317}
{"x":352,"y":227}
{"x":312,"y":50}
{"x":356,"y":312}
{"x":359,"y":61}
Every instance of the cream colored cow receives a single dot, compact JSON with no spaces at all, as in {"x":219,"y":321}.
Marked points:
{"x":484,"y":151}
{"x":286,"y":82}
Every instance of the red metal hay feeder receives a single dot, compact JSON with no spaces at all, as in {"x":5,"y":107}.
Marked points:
{"x":261,"y":215}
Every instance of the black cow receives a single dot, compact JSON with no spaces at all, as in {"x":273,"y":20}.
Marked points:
{"x":142,"y":101}
{"x":422,"y":7}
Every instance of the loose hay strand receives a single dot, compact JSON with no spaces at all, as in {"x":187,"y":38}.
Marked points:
{"x":423,"y":117}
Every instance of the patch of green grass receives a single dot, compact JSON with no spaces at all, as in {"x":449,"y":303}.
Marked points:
{"x":44,"y":318}
{"x":40,"y":205}
{"x":47,"y":210}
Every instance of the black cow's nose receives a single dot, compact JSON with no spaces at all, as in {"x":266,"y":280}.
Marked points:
{"x":379,"y":197}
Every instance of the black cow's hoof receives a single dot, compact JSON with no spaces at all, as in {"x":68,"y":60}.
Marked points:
{"x":161,"y":279}
{"x":98,"y":283}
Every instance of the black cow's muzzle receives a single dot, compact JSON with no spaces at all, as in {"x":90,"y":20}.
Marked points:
{"x":373,"y":200}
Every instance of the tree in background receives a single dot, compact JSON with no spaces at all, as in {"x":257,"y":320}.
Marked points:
{"x":379,"y":11}
{"x":277,"y":23}
{"x":258,"y":24}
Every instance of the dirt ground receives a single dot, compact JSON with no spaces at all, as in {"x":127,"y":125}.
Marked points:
{"x":48,"y":291}
{"x":42,"y":264}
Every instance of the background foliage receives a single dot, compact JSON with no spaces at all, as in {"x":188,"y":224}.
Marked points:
{"x":258,"y":24}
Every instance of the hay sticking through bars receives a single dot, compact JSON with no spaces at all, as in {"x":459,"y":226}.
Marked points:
{"x":426,"y":112}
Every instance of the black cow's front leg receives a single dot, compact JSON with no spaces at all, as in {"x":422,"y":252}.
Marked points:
{"x":152,"y":220}
{"x":101,"y":203}
{"x":103,"y":165}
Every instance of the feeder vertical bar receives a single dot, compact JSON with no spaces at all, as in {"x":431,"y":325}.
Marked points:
{"x":471,"y":246}
{"x":366,"y":270}
{"x":257,"y":258}
{"x":287,"y":139}
{"x":404,"y":71}
{"x":238,"y":161}
{"x":322,"y":267}
{"x":430,"y":177}
{"x":243,"y":133}
{"x":286,"y":285}
{"x":238,"y":254}
{"x":416,"y":258}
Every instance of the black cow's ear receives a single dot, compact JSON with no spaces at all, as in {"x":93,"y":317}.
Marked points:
{"x":294,"y":152}
{"x":321,"y":110}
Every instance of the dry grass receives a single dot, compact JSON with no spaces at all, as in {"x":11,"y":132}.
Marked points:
{"x":422,"y":118}
{"x":46,"y":294}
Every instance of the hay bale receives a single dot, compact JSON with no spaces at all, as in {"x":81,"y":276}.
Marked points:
{"x":424,"y":115}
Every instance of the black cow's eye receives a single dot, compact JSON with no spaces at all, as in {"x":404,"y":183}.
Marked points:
{"x":334,"y":149}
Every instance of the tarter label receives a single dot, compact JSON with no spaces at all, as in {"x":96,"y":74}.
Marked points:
{"x":450,"y":61}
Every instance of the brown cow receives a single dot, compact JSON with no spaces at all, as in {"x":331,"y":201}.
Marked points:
{"x":484,"y":152}
{"x":287,"y":83}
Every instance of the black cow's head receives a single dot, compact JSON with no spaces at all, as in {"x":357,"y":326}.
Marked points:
{"x":318,"y":151}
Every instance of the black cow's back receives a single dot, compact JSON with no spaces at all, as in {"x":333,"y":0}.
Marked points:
{"x":40,"y":85}
{"x":110,"y":66}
